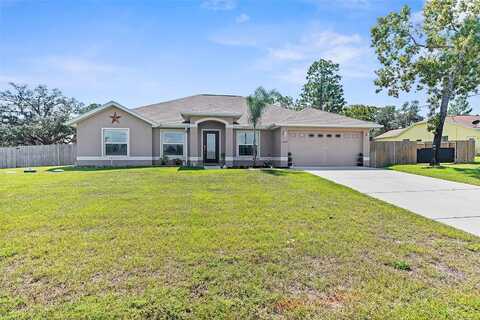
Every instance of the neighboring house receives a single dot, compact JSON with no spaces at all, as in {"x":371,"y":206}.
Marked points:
{"x":214,"y":129}
{"x":456,"y":128}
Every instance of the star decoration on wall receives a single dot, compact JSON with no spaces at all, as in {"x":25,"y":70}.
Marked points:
{"x":115,"y":117}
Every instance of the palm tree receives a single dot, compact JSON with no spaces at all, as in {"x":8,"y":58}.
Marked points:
{"x":256,"y":106}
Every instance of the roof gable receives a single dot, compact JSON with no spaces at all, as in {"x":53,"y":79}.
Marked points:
{"x":93,"y":112}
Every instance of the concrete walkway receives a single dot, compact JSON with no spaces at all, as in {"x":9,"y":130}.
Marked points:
{"x":452,"y":203}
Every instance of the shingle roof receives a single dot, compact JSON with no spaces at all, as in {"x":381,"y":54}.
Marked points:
{"x":391,"y":133}
{"x":315,"y":117}
{"x":170,"y":112}
{"x":465,"y":121}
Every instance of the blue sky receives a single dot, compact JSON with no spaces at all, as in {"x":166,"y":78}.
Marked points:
{"x":141,"y":52}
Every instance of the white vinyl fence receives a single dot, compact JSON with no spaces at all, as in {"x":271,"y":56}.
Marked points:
{"x":35,"y":156}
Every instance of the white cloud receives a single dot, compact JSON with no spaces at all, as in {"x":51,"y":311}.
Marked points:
{"x":286,"y":54}
{"x":69,"y":72}
{"x":295,"y":75}
{"x":289,"y":62}
{"x":340,"y":48}
{"x":242,"y":18}
{"x":219,"y":4}
{"x":77,"y":65}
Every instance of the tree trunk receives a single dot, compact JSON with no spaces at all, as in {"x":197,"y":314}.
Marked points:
{"x":437,"y":139}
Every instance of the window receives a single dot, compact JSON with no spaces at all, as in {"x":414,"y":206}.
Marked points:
{"x":419,"y":140}
{"x":444,"y":138}
{"x":338,"y":135}
{"x":320,"y":135}
{"x":329,"y":135}
{"x":311,"y":135}
{"x":115,"y":142}
{"x":172,"y":143}
{"x":245,"y":142}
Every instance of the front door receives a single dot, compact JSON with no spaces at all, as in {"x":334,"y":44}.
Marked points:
{"x":211,"y":146}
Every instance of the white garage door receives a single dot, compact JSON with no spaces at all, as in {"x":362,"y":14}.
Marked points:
{"x":324,"y":148}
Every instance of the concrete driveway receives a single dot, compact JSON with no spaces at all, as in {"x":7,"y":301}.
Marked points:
{"x":452,"y":203}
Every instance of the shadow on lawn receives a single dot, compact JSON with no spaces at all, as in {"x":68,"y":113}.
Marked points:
{"x":279,"y":172}
{"x":190,"y":168}
{"x":470,"y":172}
{"x":473,"y":173}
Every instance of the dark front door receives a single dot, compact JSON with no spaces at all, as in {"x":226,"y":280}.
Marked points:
{"x":211,"y":146}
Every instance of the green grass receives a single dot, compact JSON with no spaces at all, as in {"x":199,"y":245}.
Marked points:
{"x":222,"y":244}
{"x":465,"y":173}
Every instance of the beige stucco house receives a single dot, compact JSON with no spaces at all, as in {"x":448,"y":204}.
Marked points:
{"x":214,"y":129}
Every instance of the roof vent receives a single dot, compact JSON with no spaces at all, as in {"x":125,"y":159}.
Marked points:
{"x":475,"y":122}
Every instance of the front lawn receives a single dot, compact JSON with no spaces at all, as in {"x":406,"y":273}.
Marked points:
{"x":223,"y":244}
{"x":465,"y":173}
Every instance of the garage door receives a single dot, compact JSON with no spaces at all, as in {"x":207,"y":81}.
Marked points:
{"x":324,"y":148}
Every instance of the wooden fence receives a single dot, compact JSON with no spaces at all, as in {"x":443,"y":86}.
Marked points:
{"x":35,"y":156}
{"x":385,"y":153}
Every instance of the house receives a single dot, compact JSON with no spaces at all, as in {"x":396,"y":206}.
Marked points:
{"x":214,"y":129}
{"x":456,"y":128}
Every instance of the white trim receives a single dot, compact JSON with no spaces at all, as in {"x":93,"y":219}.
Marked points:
{"x":211,"y":114}
{"x":174,"y":126}
{"x":367,"y":126}
{"x":103,"y":141}
{"x":211,"y":119}
{"x":250,"y":127}
{"x":117,"y":158}
{"x":274,"y":158}
{"x":148,"y":158}
{"x":259,"y":158}
{"x":91,"y":113}
{"x":185,"y":147}
{"x":259,"y":143}
{"x":219,"y":142}
{"x":183,"y":156}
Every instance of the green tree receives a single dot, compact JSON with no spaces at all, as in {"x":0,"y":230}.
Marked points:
{"x":387,"y":117}
{"x":275,"y":96}
{"x":408,"y":114}
{"x":323,"y":89}
{"x":361,"y":112}
{"x":38,"y":116}
{"x":89,"y":108}
{"x":460,"y":106}
{"x":440,"y":56}
{"x":257,"y":102}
